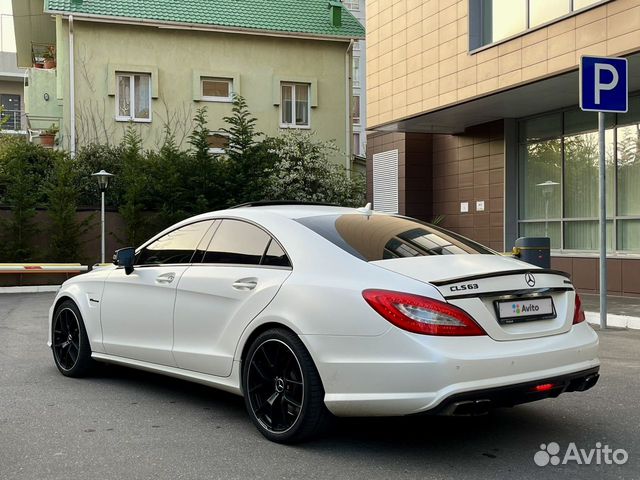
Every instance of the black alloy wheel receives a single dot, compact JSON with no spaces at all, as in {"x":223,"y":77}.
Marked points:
{"x":282,"y":388}
{"x":70,"y":345}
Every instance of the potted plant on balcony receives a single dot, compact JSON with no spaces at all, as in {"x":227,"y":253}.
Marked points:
{"x":50,"y":57}
{"x":48,"y":136}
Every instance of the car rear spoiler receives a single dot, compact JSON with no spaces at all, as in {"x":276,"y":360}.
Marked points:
{"x":480,"y":276}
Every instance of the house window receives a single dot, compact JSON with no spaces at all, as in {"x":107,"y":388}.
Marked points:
{"x":356,"y":143}
{"x":133,"y":97}
{"x":496,"y":20}
{"x":353,"y":5}
{"x":218,"y":143}
{"x":295,"y":105}
{"x":216,"y":89}
{"x":356,"y":71}
{"x":356,"y":109}
{"x":10,"y":111}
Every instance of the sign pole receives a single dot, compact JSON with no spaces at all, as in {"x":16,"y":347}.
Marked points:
{"x":603,"y":223}
{"x":604,"y":87}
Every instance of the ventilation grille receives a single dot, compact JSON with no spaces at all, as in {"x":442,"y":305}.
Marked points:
{"x":385,"y":181}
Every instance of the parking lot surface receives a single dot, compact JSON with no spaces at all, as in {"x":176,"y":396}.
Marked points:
{"x":127,"y":424}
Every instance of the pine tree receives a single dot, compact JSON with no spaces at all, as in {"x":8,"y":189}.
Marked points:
{"x":207,"y":188}
{"x":248,"y":159}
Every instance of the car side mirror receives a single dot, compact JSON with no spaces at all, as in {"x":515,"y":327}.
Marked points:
{"x":125,"y":258}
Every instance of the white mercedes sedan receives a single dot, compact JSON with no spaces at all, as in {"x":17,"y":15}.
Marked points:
{"x":311,"y":310}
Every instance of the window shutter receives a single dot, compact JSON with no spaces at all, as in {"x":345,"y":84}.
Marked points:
{"x":385,"y":181}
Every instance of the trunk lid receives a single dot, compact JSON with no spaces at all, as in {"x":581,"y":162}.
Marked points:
{"x":476,"y":283}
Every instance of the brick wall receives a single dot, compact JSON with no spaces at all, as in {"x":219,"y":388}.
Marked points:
{"x":470,"y":168}
{"x":438,"y":172}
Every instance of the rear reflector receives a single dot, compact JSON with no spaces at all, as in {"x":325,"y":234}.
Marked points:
{"x":578,"y":313}
{"x":543,"y":387}
{"x":421,"y":314}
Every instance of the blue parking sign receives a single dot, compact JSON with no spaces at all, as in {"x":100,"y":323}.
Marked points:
{"x":604,"y":84}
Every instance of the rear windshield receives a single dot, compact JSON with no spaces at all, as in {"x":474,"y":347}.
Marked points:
{"x":381,"y":237}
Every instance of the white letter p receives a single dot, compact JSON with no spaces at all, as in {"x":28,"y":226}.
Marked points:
{"x":599,"y":86}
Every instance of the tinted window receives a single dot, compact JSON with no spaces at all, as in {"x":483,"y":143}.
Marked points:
{"x":204,"y":243}
{"x":379,"y":237}
{"x":177,"y":246}
{"x":237,"y":242}
{"x":275,"y":256}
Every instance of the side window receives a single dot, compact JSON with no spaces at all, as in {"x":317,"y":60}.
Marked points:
{"x":237,"y":242}
{"x":201,"y":250}
{"x":177,"y":246}
{"x":275,"y":256}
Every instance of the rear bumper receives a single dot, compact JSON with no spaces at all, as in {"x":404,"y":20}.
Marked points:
{"x":479,"y":402}
{"x":399,"y":373}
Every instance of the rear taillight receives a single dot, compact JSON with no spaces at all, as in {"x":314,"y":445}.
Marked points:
{"x":422,"y":315}
{"x":578,"y":313}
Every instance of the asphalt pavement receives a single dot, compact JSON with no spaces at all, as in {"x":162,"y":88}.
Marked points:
{"x":127,"y":424}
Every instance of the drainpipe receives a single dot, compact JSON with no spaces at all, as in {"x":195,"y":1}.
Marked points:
{"x":72,"y":91}
{"x":349,"y":93}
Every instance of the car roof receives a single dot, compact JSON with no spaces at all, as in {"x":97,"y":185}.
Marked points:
{"x":293,"y":211}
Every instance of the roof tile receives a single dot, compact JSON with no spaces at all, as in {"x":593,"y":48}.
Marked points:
{"x":286,"y":16}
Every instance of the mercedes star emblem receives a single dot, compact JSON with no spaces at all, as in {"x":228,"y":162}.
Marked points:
{"x":530,"y":279}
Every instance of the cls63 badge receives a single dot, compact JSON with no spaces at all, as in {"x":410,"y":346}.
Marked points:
{"x":462,"y":288}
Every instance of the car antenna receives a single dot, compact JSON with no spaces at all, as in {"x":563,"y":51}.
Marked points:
{"x":366,"y":210}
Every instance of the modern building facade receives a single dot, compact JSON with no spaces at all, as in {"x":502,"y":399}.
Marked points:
{"x":151,"y":65}
{"x":474,"y":104}
{"x":11,"y":77}
{"x":359,"y":79}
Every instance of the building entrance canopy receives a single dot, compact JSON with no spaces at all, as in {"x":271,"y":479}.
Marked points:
{"x":522,"y":101}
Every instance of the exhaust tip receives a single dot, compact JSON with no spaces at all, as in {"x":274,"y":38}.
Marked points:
{"x":472,"y":408}
{"x":582,"y":384}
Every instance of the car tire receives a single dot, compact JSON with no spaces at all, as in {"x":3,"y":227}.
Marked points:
{"x":282,"y":389}
{"x":69,"y":342}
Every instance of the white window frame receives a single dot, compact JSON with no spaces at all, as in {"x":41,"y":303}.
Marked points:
{"x":132,"y":109}
{"x":356,"y":71}
{"x":353,"y":5}
{"x":357,"y":121}
{"x":293,"y":86}
{"x":357,"y":144}
{"x":206,"y":98}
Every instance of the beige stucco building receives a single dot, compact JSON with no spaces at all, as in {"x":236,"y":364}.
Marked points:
{"x":126,"y":63}
{"x":474,"y":104}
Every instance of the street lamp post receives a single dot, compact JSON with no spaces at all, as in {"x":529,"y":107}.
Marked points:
{"x":103,"y":183}
{"x":547,"y":191}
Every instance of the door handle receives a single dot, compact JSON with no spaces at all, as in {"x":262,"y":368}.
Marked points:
{"x":245,"y":284}
{"x":166,"y":278}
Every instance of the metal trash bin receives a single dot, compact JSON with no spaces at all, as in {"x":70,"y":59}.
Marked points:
{"x":534,"y":250}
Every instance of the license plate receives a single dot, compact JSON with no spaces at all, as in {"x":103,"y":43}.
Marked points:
{"x":525,"y":309}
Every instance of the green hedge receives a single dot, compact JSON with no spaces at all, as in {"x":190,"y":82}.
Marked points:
{"x":156,"y":188}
